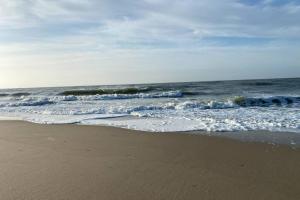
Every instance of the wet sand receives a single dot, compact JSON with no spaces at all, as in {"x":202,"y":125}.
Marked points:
{"x":62,"y":162}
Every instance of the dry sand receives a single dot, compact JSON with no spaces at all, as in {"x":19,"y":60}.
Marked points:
{"x":63,"y":162}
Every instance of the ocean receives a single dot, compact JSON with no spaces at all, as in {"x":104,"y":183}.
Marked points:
{"x":220,"y":106}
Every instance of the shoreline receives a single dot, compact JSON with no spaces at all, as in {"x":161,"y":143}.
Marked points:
{"x":96,"y":162}
{"x":291,"y":139}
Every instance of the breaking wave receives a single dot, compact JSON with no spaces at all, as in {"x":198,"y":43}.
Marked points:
{"x":106,"y":91}
{"x":268,"y":101}
{"x":28,"y":102}
{"x":234,"y":102}
{"x":167,"y":94}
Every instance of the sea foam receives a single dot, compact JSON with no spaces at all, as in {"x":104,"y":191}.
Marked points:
{"x":219,"y":106}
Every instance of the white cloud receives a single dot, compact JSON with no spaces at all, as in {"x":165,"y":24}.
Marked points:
{"x":148,"y":34}
{"x":144,"y":24}
{"x":210,"y":16}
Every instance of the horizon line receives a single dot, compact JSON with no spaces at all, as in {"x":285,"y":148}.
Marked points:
{"x":150,"y":83}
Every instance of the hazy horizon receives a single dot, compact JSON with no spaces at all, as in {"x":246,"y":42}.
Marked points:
{"x":71,"y":43}
{"x":153,"y":83}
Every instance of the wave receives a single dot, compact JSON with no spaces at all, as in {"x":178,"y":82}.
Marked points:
{"x":105,"y":91}
{"x":127,"y":91}
{"x":19,"y":94}
{"x":41,"y":101}
{"x":259,"y":83}
{"x":29,"y":102}
{"x":168,"y":94}
{"x":268,"y":101}
{"x":234,"y":102}
{"x":3,"y":95}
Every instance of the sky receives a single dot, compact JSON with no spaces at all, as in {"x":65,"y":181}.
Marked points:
{"x":91,"y":42}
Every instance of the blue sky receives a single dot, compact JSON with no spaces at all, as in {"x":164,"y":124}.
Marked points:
{"x":79,"y":42}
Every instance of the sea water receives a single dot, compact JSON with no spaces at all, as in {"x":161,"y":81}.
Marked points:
{"x":222,"y":106}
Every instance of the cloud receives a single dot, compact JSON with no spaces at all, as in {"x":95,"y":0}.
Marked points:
{"x":209,"y":15}
{"x":133,"y":33}
{"x":149,"y":23}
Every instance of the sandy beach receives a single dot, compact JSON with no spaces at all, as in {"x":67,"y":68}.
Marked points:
{"x":92,"y":162}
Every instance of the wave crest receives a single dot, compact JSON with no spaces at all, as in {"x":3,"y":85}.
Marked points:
{"x":268,"y":101}
{"x":30,"y":102}
{"x":105,"y":91}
